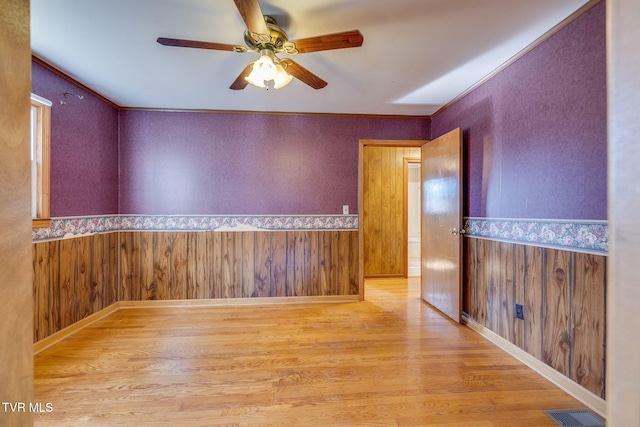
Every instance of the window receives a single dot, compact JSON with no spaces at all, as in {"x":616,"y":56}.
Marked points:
{"x":40,"y":143}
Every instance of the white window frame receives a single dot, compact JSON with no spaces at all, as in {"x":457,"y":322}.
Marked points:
{"x":40,"y":144}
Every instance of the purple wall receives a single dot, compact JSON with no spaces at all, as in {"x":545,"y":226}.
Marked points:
{"x":84,"y":148}
{"x":246,"y":164}
{"x":535,"y":134}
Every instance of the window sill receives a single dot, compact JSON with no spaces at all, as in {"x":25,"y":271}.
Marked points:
{"x":40,"y":222}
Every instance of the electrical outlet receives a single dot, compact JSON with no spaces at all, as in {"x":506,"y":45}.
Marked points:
{"x":519,"y":311}
{"x":345,"y":209}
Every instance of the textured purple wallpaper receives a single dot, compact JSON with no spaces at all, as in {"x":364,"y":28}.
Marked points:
{"x":535,"y":134}
{"x":246,"y":164}
{"x":84,"y":148}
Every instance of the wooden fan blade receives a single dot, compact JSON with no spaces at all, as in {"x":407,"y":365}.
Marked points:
{"x":327,"y":42}
{"x":254,"y":19}
{"x":240,"y":83}
{"x":200,"y":45}
{"x":302,"y":74}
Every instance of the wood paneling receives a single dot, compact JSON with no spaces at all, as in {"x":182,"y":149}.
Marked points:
{"x":178,"y":275}
{"x":71,"y":278}
{"x":147,"y":285}
{"x":41,"y":290}
{"x":74,"y":278}
{"x":266,"y":273}
{"x":482,"y":293}
{"x":162,"y":265}
{"x":111,"y":279}
{"x":519,"y":294}
{"x":99,"y":272}
{"x":533,"y":290}
{"x":383,"y":209}
{"x":563,"y":295}
{"x":556,"y":343}
{"x":126,"y":268}
{"x":248,"y":264}
{"x":85,"y":265}
{"x":54,"y":285}
{"x":68,"y":283}
{"x":588,"y":308}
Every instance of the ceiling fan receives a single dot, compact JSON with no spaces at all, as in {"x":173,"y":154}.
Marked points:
{"x":264,"y":36}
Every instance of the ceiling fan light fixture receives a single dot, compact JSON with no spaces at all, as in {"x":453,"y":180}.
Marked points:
{"x":255,"y":80}
{"x":282,"y":78}
{"x":266,"y":69}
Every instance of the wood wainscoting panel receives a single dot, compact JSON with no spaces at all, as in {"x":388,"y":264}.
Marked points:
{"x":248,"y":265}
{"x":468,"y":275}
{"x":112,"y":279}
{"x":533,"y":291}
{"x":482,"y":264}
{"x":178,"y":274}
{"x":277,"y":253}
{"x":298,"y":259}
{"x":519,"y":294}
{"x":200,"y":265}
{"x":100,"y":269}
{"x":147,"y":285}
{"x":85,"y":267}
{"x":68,"y":283}
{"x":507,"y":322}
{"x":76,"y":277}
{"x":266,"y":270}
{"x":41,"y":291}
{"x":563,"y":296}
{"x":162,"y":265}
{"x":73,"y":278}
{"x":494,"y":284}
{"x":557,"y":342}
{"x":216,"y":284}
{"x":354,"y":262}
{"x":228,"y":279}
{"x":126,"y":266}
{"x":54,"y":285}
{"x":588,"y":308}
{"x":324,"y":265}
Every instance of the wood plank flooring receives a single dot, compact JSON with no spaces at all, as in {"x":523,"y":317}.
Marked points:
{"x":388,"y":361}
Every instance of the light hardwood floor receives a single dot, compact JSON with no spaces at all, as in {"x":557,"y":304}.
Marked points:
{"x":388,"y":361}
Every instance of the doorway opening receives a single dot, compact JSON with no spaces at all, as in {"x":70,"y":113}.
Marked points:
{"x":413,"y":217}
{"x":382,"y":233}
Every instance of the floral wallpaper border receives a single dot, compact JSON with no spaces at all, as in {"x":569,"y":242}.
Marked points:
{"x":582,"y":236}
{"x":77,"y":226}
{"x":576,"y":235}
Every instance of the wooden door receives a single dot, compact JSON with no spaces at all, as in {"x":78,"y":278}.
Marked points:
{"x":441,"y":223}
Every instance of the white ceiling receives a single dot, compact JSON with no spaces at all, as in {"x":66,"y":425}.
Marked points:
{"x":417,"y":55}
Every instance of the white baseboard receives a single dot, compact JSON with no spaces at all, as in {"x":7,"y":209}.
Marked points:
{"x":595,"y":403}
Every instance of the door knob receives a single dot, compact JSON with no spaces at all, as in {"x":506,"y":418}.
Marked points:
{"x":456,"y":231}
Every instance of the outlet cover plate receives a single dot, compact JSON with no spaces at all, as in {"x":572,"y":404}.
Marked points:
{"x":519,"y":311}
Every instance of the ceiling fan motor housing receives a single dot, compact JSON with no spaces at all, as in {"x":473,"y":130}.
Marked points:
{"x":277,"y":37}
